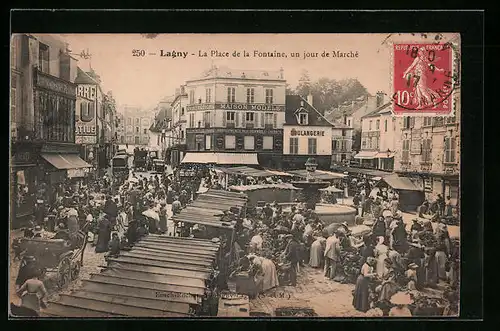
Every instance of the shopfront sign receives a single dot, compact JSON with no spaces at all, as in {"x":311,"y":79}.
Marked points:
{"x":87,"y":91}
{"x":85,"y":140}
{"x":308,"y":133}
{"x":22,"y":157}
{"x":76,"y":173}
{"x":236,"y":131}
{"x":235,"y":106}
{"x":54,"y":84}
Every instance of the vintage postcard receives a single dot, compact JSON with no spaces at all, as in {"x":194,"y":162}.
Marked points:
{"x":234,"y":175}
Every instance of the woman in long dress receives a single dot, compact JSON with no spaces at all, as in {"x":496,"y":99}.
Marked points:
{"x":381,"y":251}
{"x":431,"y":268}
{"x":316,"y":254}
{"x":32,"y":292}
{"x":104,"y":235}
{"x":389,"y":286}
{"x":361,"y":293}
{"x":268,"y":271}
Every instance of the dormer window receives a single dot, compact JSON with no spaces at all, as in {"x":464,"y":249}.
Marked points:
{"x":302,"y":118}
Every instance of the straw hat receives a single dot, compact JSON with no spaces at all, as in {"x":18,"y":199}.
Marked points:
{"x":401,"y":298}
{"x":412,"y":266}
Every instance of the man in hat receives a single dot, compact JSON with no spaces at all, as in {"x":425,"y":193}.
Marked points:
{"x":332,"y":255}
{"x":416,"y":255}
{"x":292,"y":254}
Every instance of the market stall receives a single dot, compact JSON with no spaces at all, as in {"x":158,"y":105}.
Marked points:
{"x":159,"y":277}
{"x":410,"y":196}
{"x":267,"y":192}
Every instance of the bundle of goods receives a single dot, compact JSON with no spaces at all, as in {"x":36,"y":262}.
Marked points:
{"x":350,"y":260}
{"x":427,"y":306}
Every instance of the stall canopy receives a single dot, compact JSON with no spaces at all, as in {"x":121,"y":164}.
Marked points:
{"x":362,"y":171}
{"x":366,"y":155}
{"x":243,"y":188}
{"x":332,"y":189}
{"x":160,"y":276}
{"x":65,"y":161}
{"x":221,"y":158}
{"x":318,"y":174}
{"x":399,"y":183}
{"x":384,"y":155}
{"x":251,"y":172}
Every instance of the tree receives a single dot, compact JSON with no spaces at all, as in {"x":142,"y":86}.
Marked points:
{"x":304,"y":86}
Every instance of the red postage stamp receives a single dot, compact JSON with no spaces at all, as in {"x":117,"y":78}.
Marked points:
{"x":424,"y":79}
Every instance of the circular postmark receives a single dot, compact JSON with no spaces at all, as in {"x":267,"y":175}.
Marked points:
{"x":425,"y":76}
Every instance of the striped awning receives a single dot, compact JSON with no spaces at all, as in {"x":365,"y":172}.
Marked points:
{"x":366,"y":155}
{"x":65,"y":161}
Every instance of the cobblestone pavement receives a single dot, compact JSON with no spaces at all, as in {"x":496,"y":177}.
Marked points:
{"x":313,"y":290}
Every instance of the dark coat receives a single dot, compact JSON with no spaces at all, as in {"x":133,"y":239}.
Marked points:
{"x":292,"y":251}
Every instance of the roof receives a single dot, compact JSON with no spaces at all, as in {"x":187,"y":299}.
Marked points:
{"x":176,"y":267}
{"x":244,"y":188}
{"x":226,"y":72}
{"x":399,"y":183}
{"x":380,"y":110}
{"x":208,"y":208}
{"x":363,"y":171}
{"x":296,"y":103}
{"x":84,"y":78}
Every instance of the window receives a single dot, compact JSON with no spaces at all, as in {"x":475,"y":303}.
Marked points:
{"x":408,"y":122}
{"x":312,"y":146}
{"x":343,"y":145}
{"x":137,"y":121}
{"x":437,"y":121}
{"x":370,"y":143}
{"x":363,"y":143}
{"x":370,"y":126}
{"x":269,"y":96}
{"x":137,"y":129}
{"x":145,"y":131}
{"x":13,"y":52}
{"x":385,"y":125}
{"x":377,"y":125}
{"x":453,"y":192}
{"x":191,"y":120}
{"x":231,"y":95}
{"x":269,"y":119}
{"x":230,"y":116}
{"x":137,"y":141}
{"x":450,"y":120}
{"x":129,"y":121}
{"x":267,"y":142}
{"x":122,"y":139}
{"x":294,"y":145}
{"x":182,"y":135}
{"x":405,"y":157}
{"x":303,"y":119}
{"x":375,"y":143}
{"x":208,"y":95}
{"x":208,"y":142}
{"x":249,"y":117}
{"x":182,"y":111}
{"x":334,"y":145}
{"x":349,"y":122}
{"x":250,"y":95}
{"x":13,"y":98}
{"x":449,"y":150}
{"x":249,"y":142}
{"x":427,"y":121}
{"x":426,"y":150}
{"x":191,"y":96}
{"x":206,"y":119}
{"x":230,"y":142}
{"x":43,"y":58}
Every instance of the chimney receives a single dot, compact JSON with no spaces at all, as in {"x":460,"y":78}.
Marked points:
{"x":310,"y":99}
{"x":380,"y":98}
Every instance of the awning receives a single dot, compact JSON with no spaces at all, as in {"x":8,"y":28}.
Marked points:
{"x":65,"y":161}
{"x":399,"y":183}
{"x":221,"y":158}
{"x":366,"y":155}
{"x":384,"y":155}
{"x":202,"y":158}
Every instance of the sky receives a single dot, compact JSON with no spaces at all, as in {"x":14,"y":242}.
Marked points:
{"x":144,"y":81}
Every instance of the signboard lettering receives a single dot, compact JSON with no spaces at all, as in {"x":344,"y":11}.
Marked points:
{"x":86,"y":91}
{"x":235,"y":106}
{"x":54,"y":84}
{"x":236,"y":131}
{"x":309,"y":133}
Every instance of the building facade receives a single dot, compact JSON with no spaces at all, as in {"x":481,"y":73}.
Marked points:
{"x":379,"y":133}
{"x":177,"y":128}
{"x":307,"y":133}
{"x":430,"y":154}
{"x":42,"y":121}
{"x":235,"y":111}
{"x":158,"y":129}
{"x":137,"y":124}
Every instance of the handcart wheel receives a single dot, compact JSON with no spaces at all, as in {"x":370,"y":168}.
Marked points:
{"x":75,"y":271}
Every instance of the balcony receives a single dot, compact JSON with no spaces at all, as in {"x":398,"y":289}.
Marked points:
{"x":250,"y":125}
{"x":207,"y":125}
{"x":230,"y":125}
{"x":268,"y":126}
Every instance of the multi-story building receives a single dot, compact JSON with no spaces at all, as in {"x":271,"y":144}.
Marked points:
{"x":430,"y":154}
{"x":137,"y":123}
{"x":120,"y":129}
{"x":307,"y":133}
{"x":238,"y":114}
{"x":42,"y":118}
{"x":158,"y":130}
{"x":177,"y":128}
{"x":379,"y":133}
